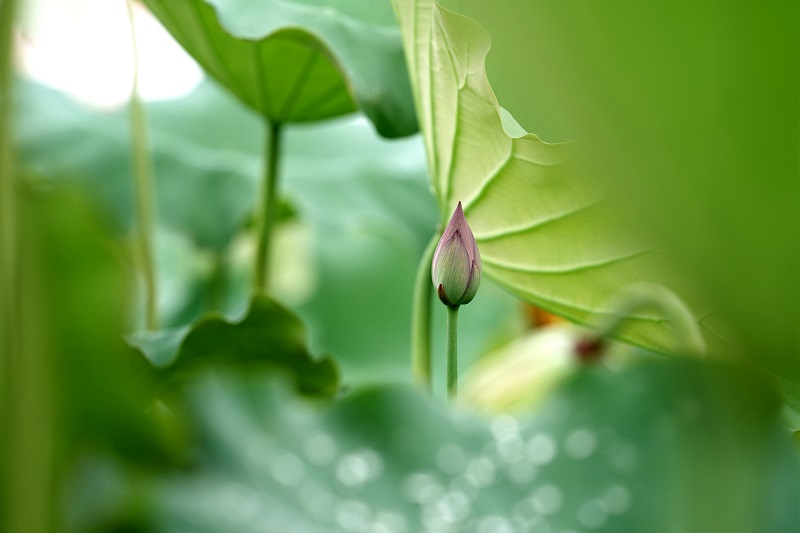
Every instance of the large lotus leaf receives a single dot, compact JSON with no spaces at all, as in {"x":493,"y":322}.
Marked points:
{"x":547,"y":230}
{"x":699,"y":159}
{"x":522,"y":85}
{"x":296,"y":61}
{"x":664,"y":446}
{"x":268,"y":336}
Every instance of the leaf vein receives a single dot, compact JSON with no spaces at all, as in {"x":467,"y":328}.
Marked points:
{"x":322,"y":96}
{"x":222,"y":66}
{"x":557,"y":271}
{"x":488,"y":181}
{"x":456,"y":122}
{"x":509,"y":232}
{"x":299,"y":81}
{"x":261,"y":81}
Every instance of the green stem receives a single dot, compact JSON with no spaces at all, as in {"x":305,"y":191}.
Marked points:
{"x":10,"y":342}
{"x":26,"y":419}
{"x":143,"y":183}
{"x":638,"y":296}
{"x":218,"y":281}
{"x":452,"y":351}
{"x":32,"y":423}
{"x":267,"y":214}
{"x":8,"y":206}
{"x":421,"y":318}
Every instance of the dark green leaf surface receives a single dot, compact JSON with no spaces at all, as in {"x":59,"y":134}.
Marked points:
{"x":296,"y":61}
{"x":656,"y":447}
{"x":267,"y":337}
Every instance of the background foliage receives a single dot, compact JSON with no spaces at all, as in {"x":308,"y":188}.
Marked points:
{"x":295,"y":411}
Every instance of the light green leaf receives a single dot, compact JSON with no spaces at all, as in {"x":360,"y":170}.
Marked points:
{"x":614,"y":451}
{"x":546,"y":229}
{"x":296,"y":61}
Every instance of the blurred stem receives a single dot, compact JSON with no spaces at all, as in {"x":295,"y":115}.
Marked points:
{"x":8,"y":207}
{"x":26,"y":423}
{"x":218,"y":279}
{"x":10,"y":342}
{"x":143,"y":182}
{"x":421,"y":318}
{"x":638,"y":296}
{"x":267,"y":214}
{"x":31,"y":434}
{"x":452,"y":351}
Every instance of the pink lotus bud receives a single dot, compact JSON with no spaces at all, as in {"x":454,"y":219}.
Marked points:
{"x":456,"y":268}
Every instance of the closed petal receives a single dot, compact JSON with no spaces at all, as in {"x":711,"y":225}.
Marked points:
{"x":472,"y":285}
{"x":451,"y":267}
{"x":459,"y":223}
{"x":443,"y":296}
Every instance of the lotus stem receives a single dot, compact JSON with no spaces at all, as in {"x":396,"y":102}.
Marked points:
{"x":452,"y":351}
{"x":421,"y":318}
{"x":643,"y":295}
{"x":261,"y":276}
{"x":143,"y":185}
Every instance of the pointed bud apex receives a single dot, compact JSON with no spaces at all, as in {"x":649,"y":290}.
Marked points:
{"x":456,"y":268}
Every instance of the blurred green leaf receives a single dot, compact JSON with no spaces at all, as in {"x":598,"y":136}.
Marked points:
{"x":546,"y":229}
{"x":661,"y":445}
{"x":267,"y":337}
{"x":519,"y":375}
{"x":296,"y":61}
{"x":77,"y":290}
{"x":57,"y":137}
{"x":75,"y":393}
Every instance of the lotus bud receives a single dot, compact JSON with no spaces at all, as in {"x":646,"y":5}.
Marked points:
{"x":456,"y":268}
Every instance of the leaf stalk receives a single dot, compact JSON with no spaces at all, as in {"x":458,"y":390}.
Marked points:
{"x":640,"y":296}
{"x":26,"y":418}
{"x":10,"y":341}
{"x":261,"y":274}
{"x":421,"y":318}
{"x":143,"y":185}
{"x":9,"y":270}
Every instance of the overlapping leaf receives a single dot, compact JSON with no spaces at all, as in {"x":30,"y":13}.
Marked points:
{"x":611,"y":452}
{"x":545,"y":228}
{"x":267,"y":337}
{"x":361,"y":195}
{"x":298,"y":61}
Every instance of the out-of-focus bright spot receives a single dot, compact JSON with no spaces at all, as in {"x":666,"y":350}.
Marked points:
{"x":84,"y":48}
{"x":520,"y":374}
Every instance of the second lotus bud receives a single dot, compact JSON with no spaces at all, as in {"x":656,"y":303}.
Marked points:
{"x":456,"y":268}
